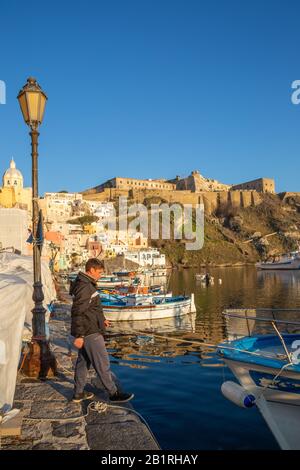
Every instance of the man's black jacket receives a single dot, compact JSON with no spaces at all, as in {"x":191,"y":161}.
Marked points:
{"x":87,"y":314}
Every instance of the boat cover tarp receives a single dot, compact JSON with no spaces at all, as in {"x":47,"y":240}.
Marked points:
{"x":16,"y":279}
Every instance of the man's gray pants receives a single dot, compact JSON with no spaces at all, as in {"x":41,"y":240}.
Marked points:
{"x":93,"y":353}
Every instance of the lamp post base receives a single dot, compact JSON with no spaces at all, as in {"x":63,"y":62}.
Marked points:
{"x":40,"y":362}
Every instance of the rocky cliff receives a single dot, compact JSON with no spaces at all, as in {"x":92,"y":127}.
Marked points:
{"x":235,"y":235}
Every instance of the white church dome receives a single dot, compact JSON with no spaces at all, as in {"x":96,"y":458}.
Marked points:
{"x":13,"y":177}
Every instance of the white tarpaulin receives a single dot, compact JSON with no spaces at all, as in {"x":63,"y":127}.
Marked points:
{"x":16,"y":279}
{"x":14,"y":228}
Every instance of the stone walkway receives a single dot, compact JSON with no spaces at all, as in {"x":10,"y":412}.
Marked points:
{"x":52,"y":421}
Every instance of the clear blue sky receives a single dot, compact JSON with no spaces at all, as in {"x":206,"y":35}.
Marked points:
{"x":154,"y":88}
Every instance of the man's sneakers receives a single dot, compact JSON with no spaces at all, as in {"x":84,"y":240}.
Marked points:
{"x":78,"y":397}
{"x":120,"y":397}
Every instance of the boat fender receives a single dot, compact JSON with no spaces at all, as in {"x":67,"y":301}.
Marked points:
{"x":237,"y":394}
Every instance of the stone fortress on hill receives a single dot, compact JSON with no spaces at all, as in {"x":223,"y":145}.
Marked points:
{"x":193,"y":189}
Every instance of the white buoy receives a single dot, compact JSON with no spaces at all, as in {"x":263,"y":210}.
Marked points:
{"x":237,"y":394}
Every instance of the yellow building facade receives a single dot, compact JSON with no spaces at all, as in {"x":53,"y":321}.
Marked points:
{"x":12,"y":192}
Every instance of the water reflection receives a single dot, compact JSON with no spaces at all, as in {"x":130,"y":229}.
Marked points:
{"x":164,"y":325}
{"x":281,"y":288}
{"x":184,"y":375}
{"x":241,"y":287}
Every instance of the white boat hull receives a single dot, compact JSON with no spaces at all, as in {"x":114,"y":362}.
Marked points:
{"x":149,"y":312}
{"x":283,"y":421}
{"x":286,"y":265}
{"x":279,"y":404}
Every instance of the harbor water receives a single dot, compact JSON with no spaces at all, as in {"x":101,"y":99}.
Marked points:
{"x":177,"y":383}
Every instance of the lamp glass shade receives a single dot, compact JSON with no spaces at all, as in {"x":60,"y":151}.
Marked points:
{"x":43,"y":100}
{"x":33,"y":103}
{"x":24,"y":107}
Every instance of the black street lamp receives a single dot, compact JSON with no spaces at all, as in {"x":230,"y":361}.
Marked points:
{"x":40,"y":361}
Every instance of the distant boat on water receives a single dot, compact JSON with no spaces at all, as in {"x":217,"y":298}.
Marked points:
{"x":290,"y":261}
{"x":205,"y":278}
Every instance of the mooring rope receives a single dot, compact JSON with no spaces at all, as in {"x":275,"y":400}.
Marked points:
{"x":98,"y":407}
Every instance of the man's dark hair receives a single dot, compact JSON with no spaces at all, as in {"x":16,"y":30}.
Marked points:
{"x":94,"y":263}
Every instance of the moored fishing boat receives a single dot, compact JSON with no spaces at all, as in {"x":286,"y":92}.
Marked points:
{"x":147,"y":307}
{"x":153,"y":272}
{"x":125,"y":273}
{"x":107,"y":295}
{"x":289,"y":261}
{"x":156,"y":289}
{"x":134,"y":288}
{"x":111,"y":282}
{"x":267,"y":365}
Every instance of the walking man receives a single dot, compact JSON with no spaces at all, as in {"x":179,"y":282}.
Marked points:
{"x":88,"y":327}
